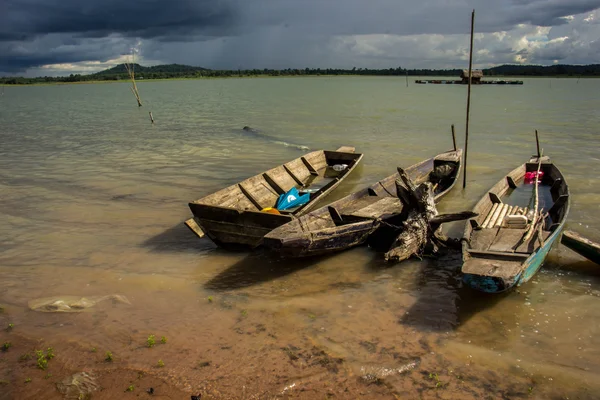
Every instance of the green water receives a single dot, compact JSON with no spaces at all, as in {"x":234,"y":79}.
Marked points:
{"x":93,"y":196}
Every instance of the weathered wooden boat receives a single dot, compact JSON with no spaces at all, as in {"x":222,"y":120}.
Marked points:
{"x":241,"y":214}
{"x":508,"y":242}
{"x":582,"y":246}
{"x":349,"y":221}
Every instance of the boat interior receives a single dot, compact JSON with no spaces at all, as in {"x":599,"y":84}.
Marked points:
{"x":379,"y":200}
{"x":312,"y":173}
{"x":506,"y":213}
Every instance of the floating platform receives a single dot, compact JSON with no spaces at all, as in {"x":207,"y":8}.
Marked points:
{"x":461,"y":82}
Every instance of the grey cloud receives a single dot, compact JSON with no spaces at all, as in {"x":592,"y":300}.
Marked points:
{"x":277,"y":33}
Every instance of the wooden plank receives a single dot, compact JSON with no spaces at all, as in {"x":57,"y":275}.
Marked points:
{"x":335,"y":215}
{"x":494,"y":197}
{"x":298,"y":181}
{"x":383,"y":207}
{"x":194,"y":227}
{"x":506,"y":240}
{"x":506,"y":268}
{"x":561,"y":201}
{"x":533,"y":243}
{"x":502,"y":254}
{"x":346,"y":149}
{"x":495,"y":216}
{"x":501,"y":216}
{"x":300,"y":171}
{"x":273,"y":184}
{"x":555,"y":186}
{"x":318,"y":160}
{"x":251,"y":218}
{"x":250,"y":197}
{"x":480,"y":240}
{"x":582,"y":246}
{"x":312,"y":169}
{"x":489,"y":216}
{"x":511,"y":182}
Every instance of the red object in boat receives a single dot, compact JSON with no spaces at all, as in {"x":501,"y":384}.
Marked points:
{"x":530,"y":176}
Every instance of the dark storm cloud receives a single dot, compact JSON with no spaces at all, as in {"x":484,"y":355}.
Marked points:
{"x":548,"y":12}
{"x":24,"y":25}
{"x":269,"y":33}
{"x":96,"y":18}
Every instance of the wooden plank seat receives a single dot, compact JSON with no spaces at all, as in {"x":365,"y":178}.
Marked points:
{"x":496,"y":216}
{"x":383,"y":207}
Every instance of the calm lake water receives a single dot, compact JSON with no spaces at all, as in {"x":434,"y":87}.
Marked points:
{"x":93,"y":199}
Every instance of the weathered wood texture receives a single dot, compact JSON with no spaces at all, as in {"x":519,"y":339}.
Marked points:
{"x":509,"y":242}
{"x":349,"y":221}
{"x":582,"y":246}
{"x":234,"y":214}
{"x":421,"y":228}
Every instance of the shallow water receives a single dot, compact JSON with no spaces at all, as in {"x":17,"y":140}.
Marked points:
{"x":93,"y":196}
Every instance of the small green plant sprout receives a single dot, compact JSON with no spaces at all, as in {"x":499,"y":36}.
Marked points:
{"x":27,"y":380}
{"x":131,"y":388}
{"x":6,"y":346}
{"x":438,"y":383}
{"x":108,"y":357}
{"x":210,"y":299}
{"x":161,"y":363}
{"x":25,"y":357}
{"x":10,"y":327}
{"x":50,"y":353}
{"x":312,"y":316}
{"x":150,"y":342}
{"x":48,"y":376}
{"x":94,"y":350}
{"x":42,"y":361}
{"x":163,"y":339}
{"x":244,"y":313}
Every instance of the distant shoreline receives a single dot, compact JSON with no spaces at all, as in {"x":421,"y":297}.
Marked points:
{"x":411,"y":78}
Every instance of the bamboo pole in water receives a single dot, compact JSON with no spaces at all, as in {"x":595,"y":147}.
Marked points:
{"x":134,"y":89}
{"x":453,"y":137}
{"x":537,"y":142}
{"x":469,"y":98}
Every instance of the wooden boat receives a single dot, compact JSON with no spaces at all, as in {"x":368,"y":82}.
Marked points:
{"x":497,"y":252}
{"x":349,"y":221}
{"x":582,"y":246}
{"x":241,"y":214}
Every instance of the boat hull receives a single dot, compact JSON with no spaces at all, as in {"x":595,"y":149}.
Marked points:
{"x":498,"y":256}
{"x":315,"y":239}
{"x":582,"y":246}
{"x":235,"y":217}
{"x":531,"y":266}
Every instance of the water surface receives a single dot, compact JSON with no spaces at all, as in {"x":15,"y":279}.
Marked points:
{"x":93,"y":196}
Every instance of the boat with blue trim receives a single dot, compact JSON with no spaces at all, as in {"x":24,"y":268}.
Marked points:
{"x":519,"y":220}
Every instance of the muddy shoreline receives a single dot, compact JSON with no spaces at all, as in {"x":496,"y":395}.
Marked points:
{"x":230,"y":346}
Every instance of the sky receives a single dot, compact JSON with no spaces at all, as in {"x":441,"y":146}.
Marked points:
{"x":60,"y":37}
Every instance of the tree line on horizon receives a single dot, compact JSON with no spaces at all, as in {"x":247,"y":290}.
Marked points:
{"x":171,"y":71}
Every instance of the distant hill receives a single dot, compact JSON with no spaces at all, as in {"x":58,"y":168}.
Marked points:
{"x":169,"y":71}
{"x":539,"y":70}
{"x":155,"y":69}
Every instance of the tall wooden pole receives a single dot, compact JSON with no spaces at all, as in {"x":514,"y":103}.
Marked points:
{"x":537,"y":142}
{"x":453,"y":137}
{"x":469,"y":98}
{"x":406,"y":78}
